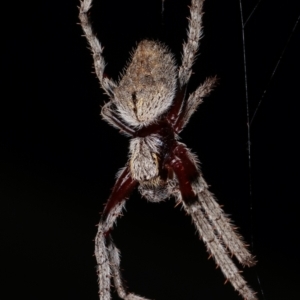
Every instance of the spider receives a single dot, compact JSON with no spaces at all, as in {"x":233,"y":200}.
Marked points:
{"x":149,"y":105}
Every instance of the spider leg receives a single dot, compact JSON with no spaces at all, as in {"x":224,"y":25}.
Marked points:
{"x":222,"y":224}
{"x":182,"y":109}
{"x":215,"y":214}
{"x":107,"y":255}
{"x":190,"y":47}
{"x":96,"y":48}
{"x":193,"y":101}
{"x":114,"y":257}
{"x":209,"y":219}
{"x":218,"y":251}
{"x":112,"y":118}
{"x":177,"y":105}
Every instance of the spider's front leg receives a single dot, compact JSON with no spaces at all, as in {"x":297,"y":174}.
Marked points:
{"x":213,"y":226}
{"x":107,"y":255}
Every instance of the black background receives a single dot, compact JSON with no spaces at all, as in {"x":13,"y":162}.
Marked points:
{"x":59,"y":159}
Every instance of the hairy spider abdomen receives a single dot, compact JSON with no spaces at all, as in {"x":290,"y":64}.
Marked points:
{"x":148,"y":86}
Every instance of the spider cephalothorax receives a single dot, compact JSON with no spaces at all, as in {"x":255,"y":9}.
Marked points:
{"x":149,"y":105}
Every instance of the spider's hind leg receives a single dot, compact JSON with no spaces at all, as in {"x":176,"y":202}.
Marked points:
{"x":190,"y":47}
{"x":194,"y":100}
{"x":96,"y":47}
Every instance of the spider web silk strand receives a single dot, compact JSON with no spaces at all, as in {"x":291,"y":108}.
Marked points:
{"x":247,"y":101}
{"x":252,"y":12}
{"x":275,"y":69}
{"x":248,"y":136}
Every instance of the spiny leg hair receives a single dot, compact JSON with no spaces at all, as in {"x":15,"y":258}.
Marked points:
{"x":190,"y":47}
{"x":193,"y":101}
{"x":214,"y":228}
{"x":108,"y":258}
{"x":114,"y":256}
{"x":218,"y":251}
{"x":221,"y":223}
{"x":96,"y":48}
